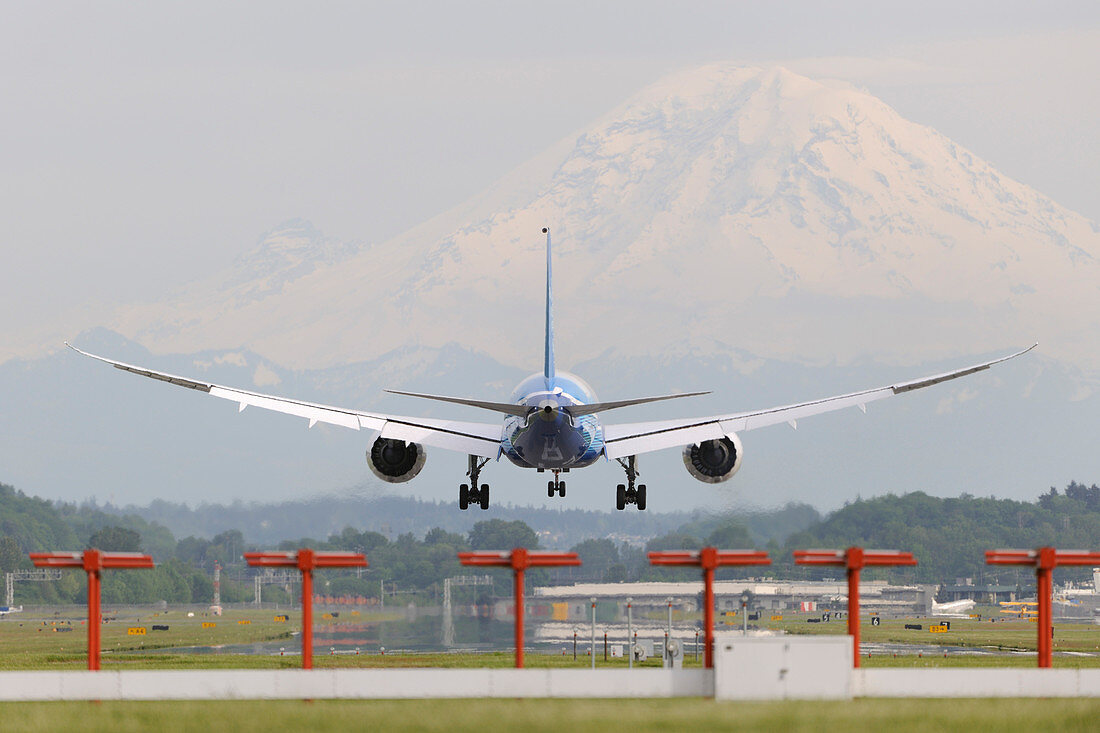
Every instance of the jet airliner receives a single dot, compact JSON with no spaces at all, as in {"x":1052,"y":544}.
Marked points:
{"x":551,"y":423}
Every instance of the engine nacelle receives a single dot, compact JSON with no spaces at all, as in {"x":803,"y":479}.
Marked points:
{"x":714,"y":461}
{"x":395,"y":461}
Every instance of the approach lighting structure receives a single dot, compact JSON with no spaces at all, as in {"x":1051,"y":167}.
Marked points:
{"x":709,"y":558}
{"x":854,"y":559}
{"x":1044,"y":560}
{"x":93,"y":562}
{"x":306,"y":560}
{"x":519,"y":560}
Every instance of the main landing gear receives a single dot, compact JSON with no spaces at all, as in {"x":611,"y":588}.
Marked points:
{"x":556,"y":486}
{"x":469,"y":493}
{"x":628,"y":493}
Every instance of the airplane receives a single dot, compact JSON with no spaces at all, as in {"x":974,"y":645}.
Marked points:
{"x":551,"y":423}
{"x":1020,"y":608}
{"x":953,"y":609}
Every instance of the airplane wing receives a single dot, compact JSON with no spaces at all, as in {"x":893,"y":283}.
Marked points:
{"x":477,"y":439}
{"x":634,"y":438}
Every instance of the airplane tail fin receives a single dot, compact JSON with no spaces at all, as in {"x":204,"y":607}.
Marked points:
{"x":548,"y":363}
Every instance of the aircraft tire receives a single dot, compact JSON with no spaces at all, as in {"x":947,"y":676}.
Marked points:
{"x":640,"y":499}
{"x":483,"y":495}
{"x":550,"y":489}
{"x":463,"y":497}
{"x":561,"y":489}
{"x":620,"y":497}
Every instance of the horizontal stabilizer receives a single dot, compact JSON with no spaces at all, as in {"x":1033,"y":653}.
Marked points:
{"x":504,"y":407}
{"x":578,"y":410}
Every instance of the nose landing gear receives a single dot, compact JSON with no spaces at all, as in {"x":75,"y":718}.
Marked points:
{"x":629,"y":493}
{"x":470,"y":493}
{"x":557,"y":486}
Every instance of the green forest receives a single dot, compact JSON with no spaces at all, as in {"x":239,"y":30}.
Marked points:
{"x":948,"y":535}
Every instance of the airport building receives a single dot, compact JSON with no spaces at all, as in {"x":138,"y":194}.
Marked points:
{"x":573,"y":602}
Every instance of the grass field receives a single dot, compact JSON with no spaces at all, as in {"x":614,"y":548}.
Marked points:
{"x":1001,"y":633}
{"x":898,"y":716}
{"x":28,"y":642}
{"x":49,"y":641}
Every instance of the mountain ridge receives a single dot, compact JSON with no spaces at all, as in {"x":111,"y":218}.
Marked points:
{"x":1017,"y":428}
{"x":753,"y":189}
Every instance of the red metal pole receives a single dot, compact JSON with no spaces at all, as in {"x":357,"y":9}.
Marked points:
{"x":1044,"y":571}
{"x":92,"y":561}
{"x":1044,"y":560}
{"x":95,"y":619}
{"x":1044,"y":582}
{"x":708,"y":617}
{"x":519,"y":559}
{"x":519,"y":617}
{"x":307,"y":618}
{"x":854,"y":562}
{"x":708,"y":559}
{"x":306,"y":560}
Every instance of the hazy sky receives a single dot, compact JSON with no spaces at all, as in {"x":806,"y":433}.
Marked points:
{"x":145,"y":144}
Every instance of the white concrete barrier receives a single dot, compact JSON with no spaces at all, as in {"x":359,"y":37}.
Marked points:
{"x":756,"y":680}
{"x":981,"y":682}
{"x":353,"y":684}
{"x":782,"y":667}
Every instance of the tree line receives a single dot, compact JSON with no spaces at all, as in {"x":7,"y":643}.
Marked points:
{"x":948,"y":536}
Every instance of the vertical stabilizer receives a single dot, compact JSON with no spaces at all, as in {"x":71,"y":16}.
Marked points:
{"x":548,"y":363}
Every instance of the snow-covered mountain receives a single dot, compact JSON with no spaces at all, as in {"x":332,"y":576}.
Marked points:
{"x":797,"y":219}
{"x":749,"y":231}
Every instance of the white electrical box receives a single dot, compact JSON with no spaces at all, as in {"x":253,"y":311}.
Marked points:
{"x":782,"y":667}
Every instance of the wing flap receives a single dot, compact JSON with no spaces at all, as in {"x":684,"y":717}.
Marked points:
{"x":476,"y":439}
{"x":672,"y":436}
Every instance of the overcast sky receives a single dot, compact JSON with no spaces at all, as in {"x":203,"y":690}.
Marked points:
{"x":145,"y":144}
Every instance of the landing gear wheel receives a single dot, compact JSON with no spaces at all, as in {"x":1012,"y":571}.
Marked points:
{"x":468,"y":493}
{"x":555,"y":487}
{"x":628,"y":494}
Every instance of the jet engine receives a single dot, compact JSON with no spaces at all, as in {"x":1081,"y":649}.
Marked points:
{"x":395,"y":461}
{"x":714,"y":461}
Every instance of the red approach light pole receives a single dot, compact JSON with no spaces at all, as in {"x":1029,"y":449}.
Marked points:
{"x":93,"y":562}
{"x":1044,"y":560}
{"x":306,"y":560}
{"x":709,"y":558}
{"x":519,"y":560}
{"x":855,"y":559}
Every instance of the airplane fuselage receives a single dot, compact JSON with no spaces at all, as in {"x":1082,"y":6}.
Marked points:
{"x":548,"y":437}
